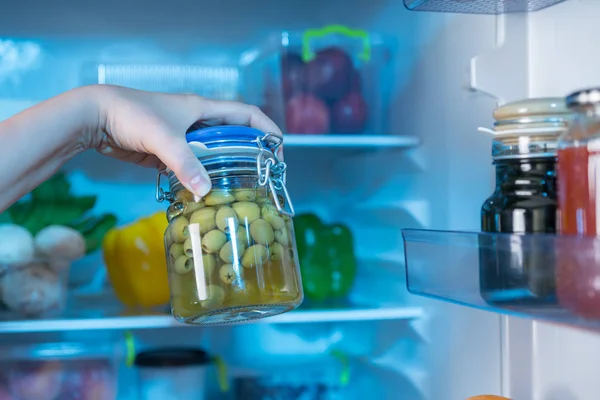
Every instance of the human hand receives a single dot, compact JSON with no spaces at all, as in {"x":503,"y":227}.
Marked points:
{"x":149,"y":128}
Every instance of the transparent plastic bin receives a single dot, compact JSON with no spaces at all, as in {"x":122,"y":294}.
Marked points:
{"x":479,"y":6}
{"x":329,"y":80}
{"x":325,"y":380}
{"x":449,"y":266}
{"x":59,"y":371}
{"x":32,"y":290}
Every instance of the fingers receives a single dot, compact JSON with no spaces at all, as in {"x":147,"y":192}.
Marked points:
{"x":234,"y":113}
{"x":175,"y":153}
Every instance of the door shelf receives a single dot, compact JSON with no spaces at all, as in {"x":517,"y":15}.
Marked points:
{"x":545,"y":277}
{"x":122,"y":320}
{"x":479,"y":6}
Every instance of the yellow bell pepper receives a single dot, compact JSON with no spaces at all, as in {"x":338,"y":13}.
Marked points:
{"x":136,"y":262}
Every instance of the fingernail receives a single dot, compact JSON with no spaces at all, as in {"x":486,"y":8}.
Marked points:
{"x":200,"y":184}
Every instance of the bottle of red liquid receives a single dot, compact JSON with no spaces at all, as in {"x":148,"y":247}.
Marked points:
{"x":578,"y":272}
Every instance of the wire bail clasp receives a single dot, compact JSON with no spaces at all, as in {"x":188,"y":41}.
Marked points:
{"x":273,"y":174}
{"x":162,"y":195}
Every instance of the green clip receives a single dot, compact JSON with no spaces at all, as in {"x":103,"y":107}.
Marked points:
{"x":345,"y":372}
{"x":310,"y":34}
{"x":129,"y":348}
{"x":221,"y":374}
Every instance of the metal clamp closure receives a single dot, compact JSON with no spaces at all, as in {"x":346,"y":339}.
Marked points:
{"x":273,"y":173}
{"x":162,"y":195}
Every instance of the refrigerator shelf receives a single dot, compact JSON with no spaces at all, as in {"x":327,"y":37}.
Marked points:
{"x":124,"y":321}
{"x":544,"y":277}
{"x":479,"y":6}
{"x":370,"y":142}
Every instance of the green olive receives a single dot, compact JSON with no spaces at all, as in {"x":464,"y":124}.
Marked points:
{"x":247,"y":212}
{"x":245,"y":195}
{"x":271,"y":215}
{"x":229,"y":275}
{"x":255,"y":255}
{"x":213,"y":241}
{"x":229,"y":253}
{"x":276,"y":251}
{"x":184,"y":195}
{"x":187,"y":247}
{"x":175,"y":251}
{"x":283,"y":237}
{"x":215,"y":296}
{"x":243,"y":235}
{"x":226,"y":218}
{"x":205,"y":218}
{"x":183,"y":265}
{"x":178,"y":229}
{"x":261,"y":232}
{"x":209,"y":263}
{"x":192,"y":206}
{"x":175,"y":210}
{"x":218,"y":197}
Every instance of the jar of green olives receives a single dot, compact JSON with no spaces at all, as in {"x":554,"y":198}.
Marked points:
{"x":231,"y":255}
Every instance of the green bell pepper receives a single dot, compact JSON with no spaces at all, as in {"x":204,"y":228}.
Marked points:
{"x":326,"y":255}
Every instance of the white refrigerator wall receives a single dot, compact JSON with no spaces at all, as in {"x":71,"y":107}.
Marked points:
{"x":563,"y":57}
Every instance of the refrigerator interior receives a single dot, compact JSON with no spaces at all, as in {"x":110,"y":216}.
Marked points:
{"x":451,"y":71}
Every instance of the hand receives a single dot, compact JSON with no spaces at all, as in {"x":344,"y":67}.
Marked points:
{"x":149,"y":128}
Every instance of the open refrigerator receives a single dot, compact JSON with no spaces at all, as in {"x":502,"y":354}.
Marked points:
{"x":455,"y":62}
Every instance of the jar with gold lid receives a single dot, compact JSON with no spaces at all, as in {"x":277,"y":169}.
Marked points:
{"x":524,"y":143}
{"x":231,"y":255}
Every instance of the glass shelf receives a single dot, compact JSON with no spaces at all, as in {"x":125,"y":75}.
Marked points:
{"x":479,"y":6}
{"x":115,"y":318}
{"x":364,"y":142}
{"x":546,"y":277}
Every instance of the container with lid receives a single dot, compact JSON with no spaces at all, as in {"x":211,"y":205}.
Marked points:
{"x":578,"y":269}
{"x":231,"y":255}
{"x":175,"y":374}
{"x":524,"y":201}
{"x":60,"y":371}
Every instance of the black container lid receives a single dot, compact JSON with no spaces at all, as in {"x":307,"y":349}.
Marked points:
{"x":172,"y":358}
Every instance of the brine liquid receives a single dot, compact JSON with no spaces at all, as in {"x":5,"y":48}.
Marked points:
{"x":579,"y":263}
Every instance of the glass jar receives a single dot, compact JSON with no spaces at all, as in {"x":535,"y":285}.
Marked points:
{"x":579,"y":179}
{"x":524,"y":201}
{"x":231,"y":255}
{"x":176,"y":374}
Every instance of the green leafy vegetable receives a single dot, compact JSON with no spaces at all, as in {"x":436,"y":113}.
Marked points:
{"x":52,"y":203}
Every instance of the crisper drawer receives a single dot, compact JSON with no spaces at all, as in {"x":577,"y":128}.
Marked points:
{"x":59,"y":371}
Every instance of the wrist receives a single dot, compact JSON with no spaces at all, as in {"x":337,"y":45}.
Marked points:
{"x":91,"y":121}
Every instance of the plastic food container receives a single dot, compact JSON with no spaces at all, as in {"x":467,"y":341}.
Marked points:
{"x":525,"y":138}
{"x":175,"y":374}
{"x":35,"y":289}
{"x":326,"y":380}
{"x":232,"y":255}
{"x":59,"y":371}
{"x":328,"y":80}
{"x":579,"y":179}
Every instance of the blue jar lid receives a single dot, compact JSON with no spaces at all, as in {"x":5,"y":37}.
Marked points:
{"x":227,"y":136}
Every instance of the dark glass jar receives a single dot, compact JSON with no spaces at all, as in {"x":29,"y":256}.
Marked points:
{"x":523,"y":202}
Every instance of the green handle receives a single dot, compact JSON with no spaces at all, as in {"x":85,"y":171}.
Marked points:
{"x":129,"y":348}
{"x":310,"y":34}
{"x":345,"y":372}
{"x":221,"y":374}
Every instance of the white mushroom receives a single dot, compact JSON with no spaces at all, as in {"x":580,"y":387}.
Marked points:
{"x":16,"y":244}
{"x":60,"y":242}
{"x":32,"y":290}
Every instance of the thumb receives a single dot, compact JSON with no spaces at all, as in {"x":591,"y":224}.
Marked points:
{"x":175,"y":153}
